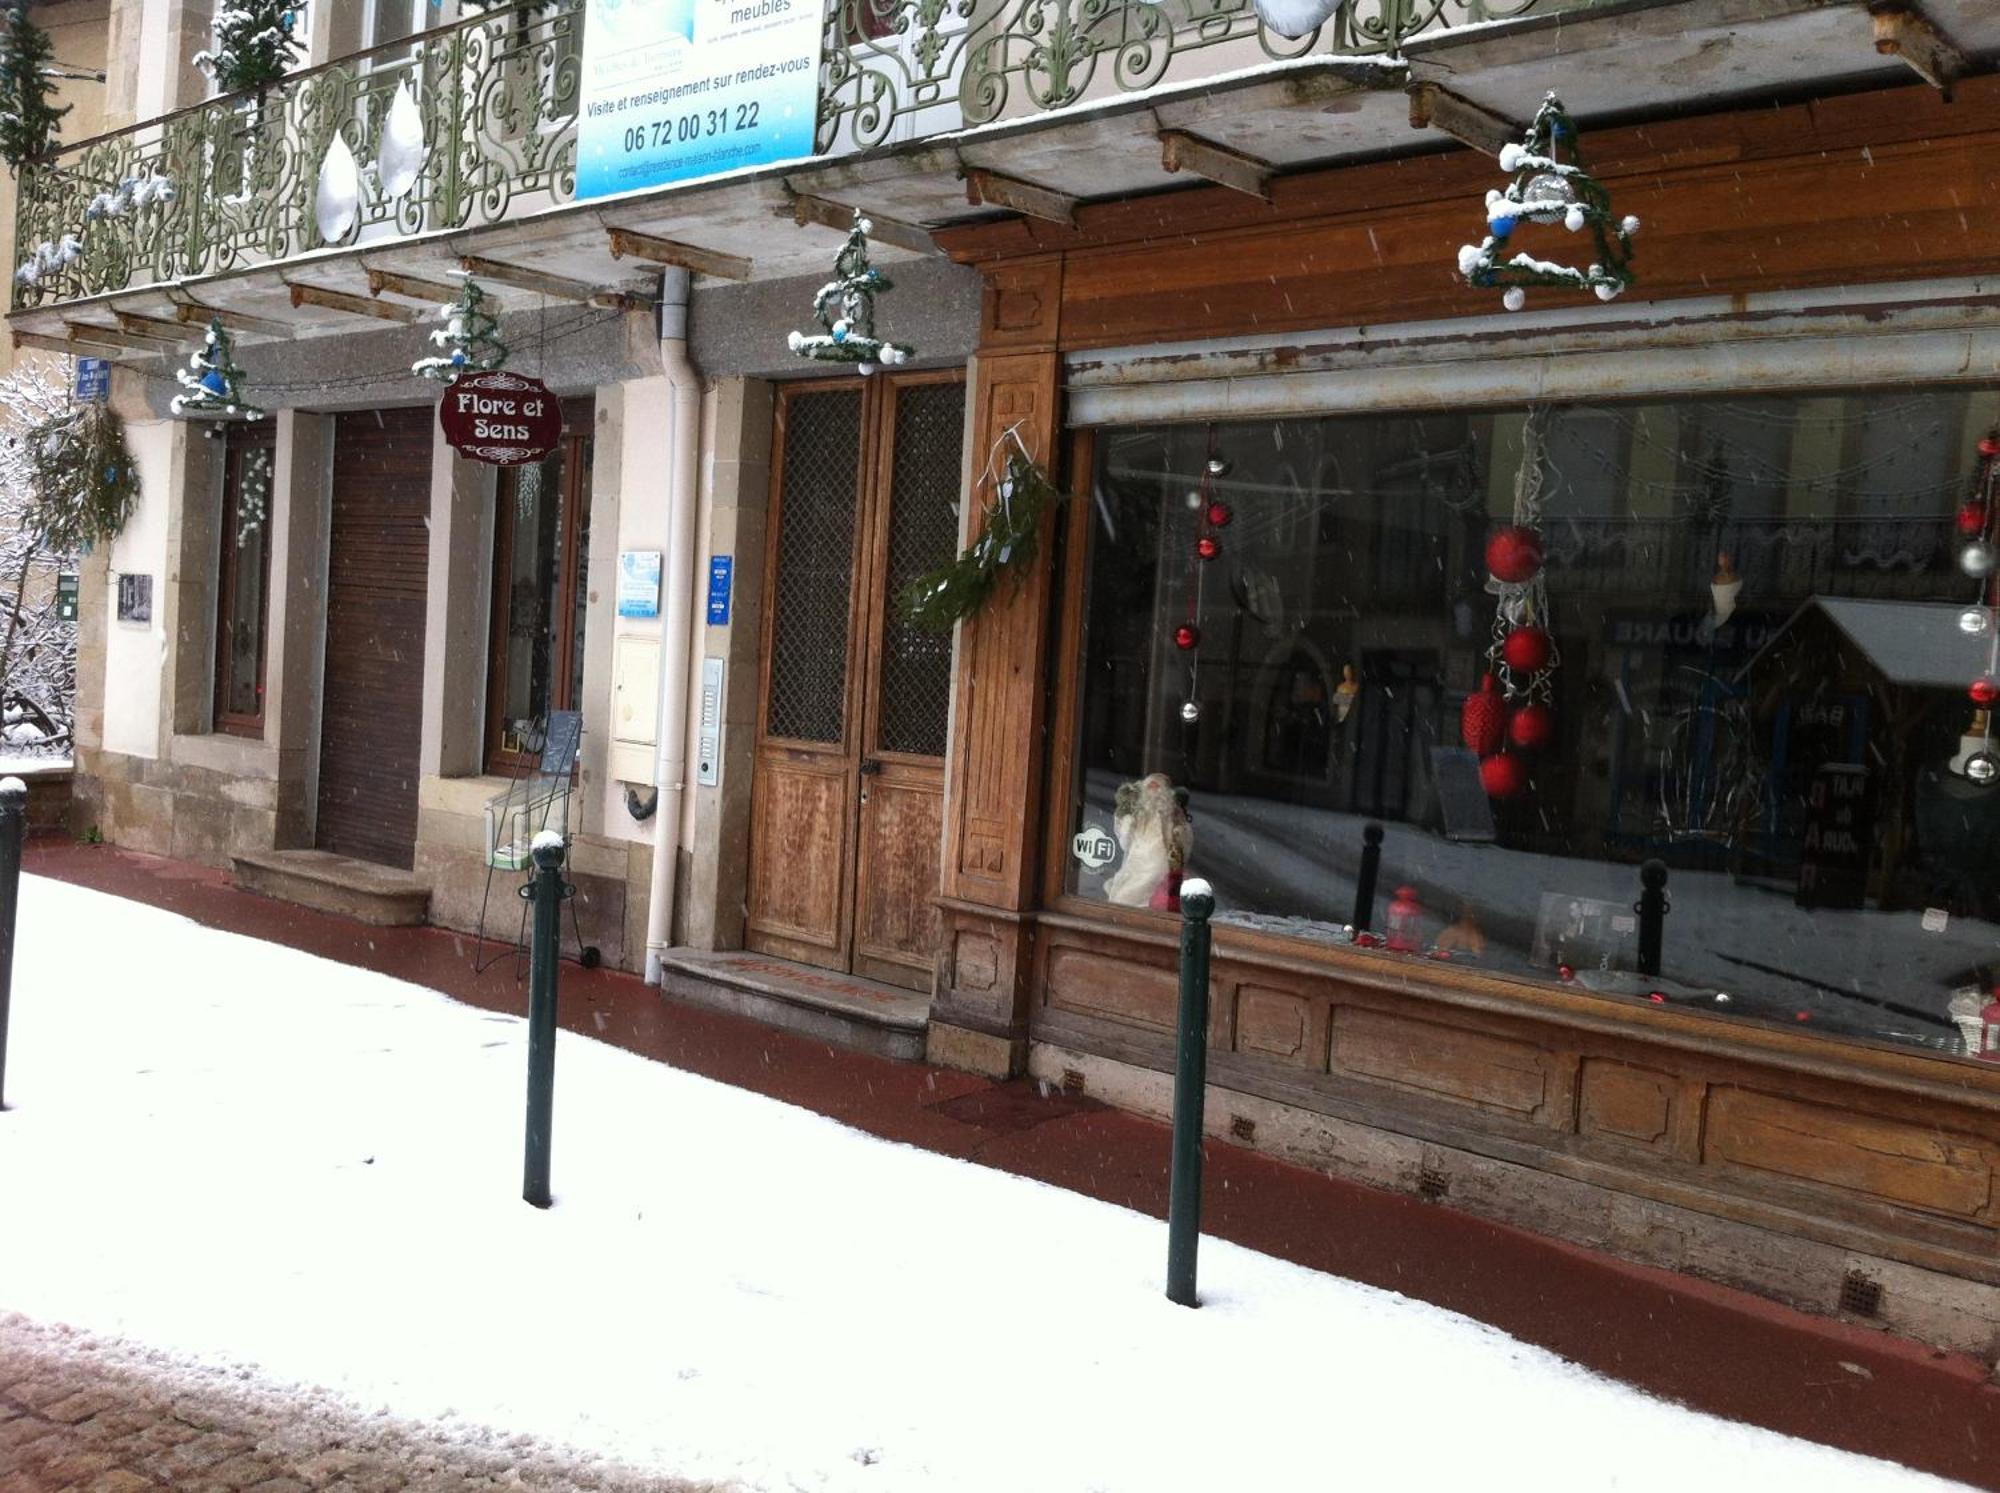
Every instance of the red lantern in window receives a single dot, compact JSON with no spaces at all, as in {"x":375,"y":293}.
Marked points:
{"x":1503,"y":775}
{"x":1186,"y":635}
{"x":1482,"y":722}
{"x":1527,"y":649}
{"x":1532,"y":727}
{"x":1514,"y":554}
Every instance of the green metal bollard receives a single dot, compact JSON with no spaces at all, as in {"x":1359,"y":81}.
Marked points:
{"x":1190,"y":1085}
{"x":13,"y":829}
{"x":547,"y":891}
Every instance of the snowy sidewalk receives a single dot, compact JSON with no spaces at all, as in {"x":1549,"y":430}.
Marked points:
{"x":251,"y":1159}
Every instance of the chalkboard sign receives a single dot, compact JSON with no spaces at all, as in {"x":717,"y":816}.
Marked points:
{"x":1839,"y":837}
{"x":560,"y":744}
{"x":1462,"y":800}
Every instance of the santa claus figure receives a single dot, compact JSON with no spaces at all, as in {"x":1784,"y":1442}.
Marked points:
{"x":1150,"y":820}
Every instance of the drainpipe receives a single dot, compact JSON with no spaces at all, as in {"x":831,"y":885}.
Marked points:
{"x":676,"y":614}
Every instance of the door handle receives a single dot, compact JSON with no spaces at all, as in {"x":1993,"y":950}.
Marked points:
{"x":869,"y":767}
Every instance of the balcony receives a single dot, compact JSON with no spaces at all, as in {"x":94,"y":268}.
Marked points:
{"x":929,"y":111}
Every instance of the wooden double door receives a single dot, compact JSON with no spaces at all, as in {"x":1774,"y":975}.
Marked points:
{"x":847,"y":803}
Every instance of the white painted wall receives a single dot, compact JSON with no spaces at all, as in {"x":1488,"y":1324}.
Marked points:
{"x":135,"y":653}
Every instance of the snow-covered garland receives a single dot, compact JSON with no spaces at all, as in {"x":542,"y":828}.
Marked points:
{"x":254,"y":44}
{"x":1549,"y":190}
{"x":845,"y":306}
{"x":134,"y":192}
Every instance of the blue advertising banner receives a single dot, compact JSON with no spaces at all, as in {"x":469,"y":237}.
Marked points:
{"x":674,"y":90}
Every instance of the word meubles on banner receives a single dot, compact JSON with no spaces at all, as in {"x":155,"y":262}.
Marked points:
{"x":500,"y":418}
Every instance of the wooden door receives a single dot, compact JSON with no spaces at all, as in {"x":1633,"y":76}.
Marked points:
{"x":377,"y":574}
{"x":847,"y":799}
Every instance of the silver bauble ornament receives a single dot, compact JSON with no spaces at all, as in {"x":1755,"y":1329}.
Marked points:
{"x":1976,"y":559}
{"x":1191,"y":711}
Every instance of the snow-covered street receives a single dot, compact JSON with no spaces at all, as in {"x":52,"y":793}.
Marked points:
{"x":251,"y":1160}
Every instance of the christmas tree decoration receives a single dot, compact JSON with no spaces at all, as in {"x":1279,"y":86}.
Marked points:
{"x":337,"y":198}
{"x":1207,"y":547}
{"x":1549,"y":190}
{"x":1503,"y":775}
{"x":212,"y":384}
{"x":85,"y":480}
{"x":1482,"y":720}
{"x":845,"y":307}
{"x":1527,"y":649}
{"x":1211,"y":514}
{"x":1532,"y":726}
{"x":1977,"y":558}
{"x":1974,"y":621}
{"x":254,"y":44}
{"x":399,"y":158}
{"x":130,"y":193}
{"x":1219,"y":515}
{"x":1187,"y":636}
{"x":1514,"y":554}
{"x":1984,"y":692}
{"x":49,"y":259}
{"x":1971,"y":519}
{"x":468,"y":338}
{"x":27,"y":117}
{"x":1190,"y":711}
{"x":1009,"y":534}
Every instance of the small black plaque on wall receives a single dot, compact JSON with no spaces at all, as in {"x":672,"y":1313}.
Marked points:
{"x":135,"y":598}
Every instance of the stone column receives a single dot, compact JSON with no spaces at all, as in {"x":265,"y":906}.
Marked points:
{"x":735,"y":489}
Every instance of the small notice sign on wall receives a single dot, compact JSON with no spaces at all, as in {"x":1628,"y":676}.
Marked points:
{"x":135,"y":598}
{"x":638,"y":583}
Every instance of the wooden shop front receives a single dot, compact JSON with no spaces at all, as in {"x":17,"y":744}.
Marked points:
{"x":1290,"y":430}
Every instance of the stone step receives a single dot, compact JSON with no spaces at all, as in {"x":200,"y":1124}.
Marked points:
{"x":326,"y":882}
{"x":843,"y":1009}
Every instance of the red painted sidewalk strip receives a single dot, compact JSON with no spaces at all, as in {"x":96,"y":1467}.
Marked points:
{"x":1704,"y":1345}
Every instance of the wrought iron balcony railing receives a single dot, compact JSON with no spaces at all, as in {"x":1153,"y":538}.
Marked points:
{"x":230,"y":183}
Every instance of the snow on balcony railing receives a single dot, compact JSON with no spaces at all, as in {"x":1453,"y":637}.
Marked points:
{"x":231,"y":183}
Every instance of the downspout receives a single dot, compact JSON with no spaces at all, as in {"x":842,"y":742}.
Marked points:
{"x":676,"y":613}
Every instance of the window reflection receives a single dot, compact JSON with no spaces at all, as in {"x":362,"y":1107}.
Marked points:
{"x":1763,"y":683}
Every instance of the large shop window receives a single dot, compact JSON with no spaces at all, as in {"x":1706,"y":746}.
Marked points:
{"x":1766,"y":644}
{"x":243,"y":578}
{"x":540,"y":589}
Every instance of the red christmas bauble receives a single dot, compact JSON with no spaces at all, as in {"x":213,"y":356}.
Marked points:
{"x":1565,"y":973}
{"x":1971,"y":519}
{"x":1514,"y":554}
{"x":1207,"y":548}
{"x":1186,"y":635}
{"x":1503,"y":775}
{"x":1482,"y":722}
{"x":1532,"y":727}
{"x":1984,"y":691}
{"x":1219,"y":514}
{"x":1526,"y":649}
{"x":1989,"y":445}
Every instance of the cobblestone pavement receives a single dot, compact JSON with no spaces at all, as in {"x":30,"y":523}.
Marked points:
{"x":81,"y":1416}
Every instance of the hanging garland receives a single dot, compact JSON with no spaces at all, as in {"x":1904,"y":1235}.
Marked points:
{"x":85,"y":483}
{"x":27,"y":117}
{"x":253,"y":498}
{"x":1978,"y":521}
{"x":212,"y":384}
{"x":1009,"y":533}
{"x":1511,"y":715}
{"x":1547,"y":189}
{"x":1212,"y":516}
{"x":469,"y":335}
{"x":845,"y":307}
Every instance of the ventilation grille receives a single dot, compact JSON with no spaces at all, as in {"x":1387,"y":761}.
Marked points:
{"x":1860,"y":1296}
{"x":1432,"y":1183}
{"x":1243,"y":1128}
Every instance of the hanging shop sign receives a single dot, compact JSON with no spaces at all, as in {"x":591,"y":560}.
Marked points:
{"x":679,"y":89}
{"x":500,"y":418}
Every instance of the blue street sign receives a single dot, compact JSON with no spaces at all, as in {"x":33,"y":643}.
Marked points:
{"x":93,"y":380}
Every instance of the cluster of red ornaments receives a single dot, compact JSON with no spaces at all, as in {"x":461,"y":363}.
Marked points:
{"x":1981,"y":556}
{"x":1215,"y":515}
{"x":1500,"y":732}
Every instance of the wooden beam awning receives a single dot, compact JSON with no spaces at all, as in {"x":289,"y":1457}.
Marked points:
{"x":1180,"y":151}
{"x":354,"y":305}
{"x":807,"y":210}
{"x":194,"y":313}
{"x":990,"y":189}
{"x":557,"y":287}
{"x":628,"y":242}
{"x":392,"y":282}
